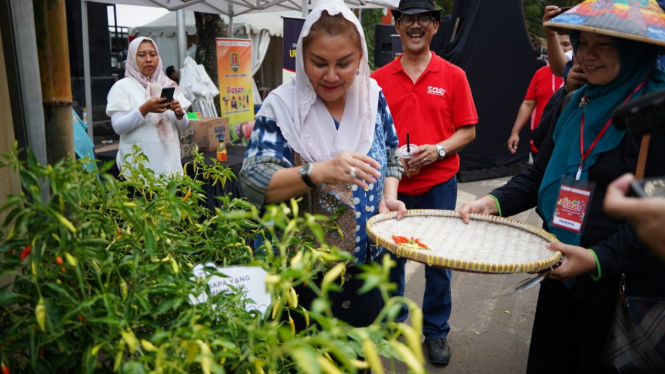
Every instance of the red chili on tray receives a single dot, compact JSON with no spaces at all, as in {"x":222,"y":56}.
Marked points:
{"x":404,"y":240}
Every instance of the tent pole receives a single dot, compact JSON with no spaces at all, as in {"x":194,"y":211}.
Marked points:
{"x":86,"y":66}
{"x":23,"y":23}
{"x":182,"y":36}
{"x":304,"y":9}
{"x":230,"y":21}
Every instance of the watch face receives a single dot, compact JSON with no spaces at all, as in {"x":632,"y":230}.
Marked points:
{"x":442,"y":152}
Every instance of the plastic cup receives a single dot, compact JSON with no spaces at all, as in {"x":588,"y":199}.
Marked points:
{"x":406,"y":156}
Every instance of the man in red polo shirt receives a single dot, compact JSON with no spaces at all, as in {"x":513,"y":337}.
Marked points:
{"x":543,"y":85}
{"x":430,"y":100}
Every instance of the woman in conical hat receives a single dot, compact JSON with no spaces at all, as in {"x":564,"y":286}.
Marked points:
{"x":328,"y":136}
{"x":577,"y":300}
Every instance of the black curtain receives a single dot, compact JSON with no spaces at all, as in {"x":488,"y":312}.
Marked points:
{"x":489,"y":41}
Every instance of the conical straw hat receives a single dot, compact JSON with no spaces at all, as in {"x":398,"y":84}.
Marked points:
{"x":640,"y":20}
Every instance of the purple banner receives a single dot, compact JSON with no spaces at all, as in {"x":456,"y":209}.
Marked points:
{"x":292,"y":27}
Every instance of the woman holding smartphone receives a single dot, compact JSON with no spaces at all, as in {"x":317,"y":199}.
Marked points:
{"x":141,"y":116}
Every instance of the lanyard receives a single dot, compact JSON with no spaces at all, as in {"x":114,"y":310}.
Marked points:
{"x":554,"y":88}
{"x":602,"y":132}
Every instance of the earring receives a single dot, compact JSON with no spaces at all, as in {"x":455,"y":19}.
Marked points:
{"x":358,"y":71}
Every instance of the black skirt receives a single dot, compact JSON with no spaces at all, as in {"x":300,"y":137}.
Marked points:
{"x":358,"y":310}
{"x":568,"y":334}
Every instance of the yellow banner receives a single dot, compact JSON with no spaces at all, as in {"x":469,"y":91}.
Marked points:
{"x":234,"y":68}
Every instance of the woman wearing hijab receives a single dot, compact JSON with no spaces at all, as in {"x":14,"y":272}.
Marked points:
{"x":328,"y":136}
{"x":139,"y":114}
{"x":573,"y":315}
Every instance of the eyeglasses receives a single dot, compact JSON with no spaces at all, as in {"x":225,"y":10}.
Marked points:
{"x":407,"y":21}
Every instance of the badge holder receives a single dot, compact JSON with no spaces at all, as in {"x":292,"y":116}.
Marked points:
{"x":570,"y":212}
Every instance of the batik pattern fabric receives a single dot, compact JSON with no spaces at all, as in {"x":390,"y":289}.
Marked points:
{"x":268,"y":152}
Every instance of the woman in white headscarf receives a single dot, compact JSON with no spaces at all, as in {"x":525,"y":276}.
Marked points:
{"x":139,"y":114}
{"x":328,"y":136}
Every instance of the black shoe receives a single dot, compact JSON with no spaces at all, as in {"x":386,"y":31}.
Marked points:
{"x":438,"y":351}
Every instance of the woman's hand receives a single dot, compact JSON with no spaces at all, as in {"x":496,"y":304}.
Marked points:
{"x":576,"y":77}
{"x":484,"y":205}
{"x":392,"y":205}
{"x":177,"y":109}
{"x":576,"y":261}
{"x":154,"y":105}
{"x":348,"y":167}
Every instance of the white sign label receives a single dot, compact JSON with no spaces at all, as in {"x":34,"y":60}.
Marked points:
{"x":250,"y":279}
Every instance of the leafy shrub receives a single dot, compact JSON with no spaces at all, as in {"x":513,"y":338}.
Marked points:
{"x":103,"y":275}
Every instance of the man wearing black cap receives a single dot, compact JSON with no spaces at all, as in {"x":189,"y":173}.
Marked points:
{"x":431,"y":101}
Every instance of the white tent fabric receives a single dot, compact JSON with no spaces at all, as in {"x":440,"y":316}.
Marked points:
{"x":198,"y":88}
{"x":258,"y":27}
{"x":232,"y":7}
{"x":260,"y":44}
{"x":163,"y":32}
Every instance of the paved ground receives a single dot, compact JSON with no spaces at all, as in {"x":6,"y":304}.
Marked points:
{"x":488,"y":335}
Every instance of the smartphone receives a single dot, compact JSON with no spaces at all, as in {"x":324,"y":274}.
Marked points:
{"x":167,"y":94}
{"x":648,"y":187}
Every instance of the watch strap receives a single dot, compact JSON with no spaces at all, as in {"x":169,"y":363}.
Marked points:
{"x":305,"y":171}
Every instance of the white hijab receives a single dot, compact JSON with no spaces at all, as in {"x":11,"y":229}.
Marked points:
{"x":310,"y":130}
{"x":153,"y":88}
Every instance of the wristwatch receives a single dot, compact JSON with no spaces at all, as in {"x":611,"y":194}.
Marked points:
{"x":441,"y":151}
{"x":305,"y":172}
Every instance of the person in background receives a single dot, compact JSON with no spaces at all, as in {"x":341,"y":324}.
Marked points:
{"x":139,"y":114}
{"x":431,"y":101}
{"x":328,"y":136}
{"x":543,"y":85}
{"x":83,"y":145}
{"x":173,"y":74}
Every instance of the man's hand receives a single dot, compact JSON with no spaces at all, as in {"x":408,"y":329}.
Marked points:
{"x":551,"y":11}
{"x":512,"y":142}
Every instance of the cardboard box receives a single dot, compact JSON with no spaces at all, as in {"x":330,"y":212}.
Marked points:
{"x":206,"y":130}
{"x":187,"y":141}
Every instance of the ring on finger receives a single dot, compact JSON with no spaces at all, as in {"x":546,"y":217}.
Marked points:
{"x":352,"y":172}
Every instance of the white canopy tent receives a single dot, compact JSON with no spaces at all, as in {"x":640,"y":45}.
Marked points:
{"x":230,"y":8}
{"x":261,"y":28}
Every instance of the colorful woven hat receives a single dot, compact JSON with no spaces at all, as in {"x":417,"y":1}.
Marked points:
{"x":641,"y":20}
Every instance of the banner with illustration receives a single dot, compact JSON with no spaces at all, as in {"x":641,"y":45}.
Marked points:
{"x":292,"y":27}
{"x":234,"y":67}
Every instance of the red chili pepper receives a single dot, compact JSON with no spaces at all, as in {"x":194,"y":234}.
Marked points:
{"x":81,"y":318}
{"x":421,"y":243}
{"x":400,"y":239}
{"x":63,"y":270}
{"x":41,"y":352}
{"x":25,"y":252}
{"x":59,"y":260}
{"x":5,"y":369}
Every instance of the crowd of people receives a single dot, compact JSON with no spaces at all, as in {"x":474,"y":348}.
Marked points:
{"x":332,"y":136}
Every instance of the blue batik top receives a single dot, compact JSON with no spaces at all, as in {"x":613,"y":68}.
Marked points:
{"x":268,"y":151}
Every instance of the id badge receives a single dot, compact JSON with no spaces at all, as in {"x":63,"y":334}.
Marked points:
{"x":574,"y":199}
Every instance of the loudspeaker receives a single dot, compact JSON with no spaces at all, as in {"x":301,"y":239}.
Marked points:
{"x":383,"y":45}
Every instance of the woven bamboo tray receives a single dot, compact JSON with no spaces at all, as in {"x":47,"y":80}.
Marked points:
{"x":488,"y":244}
